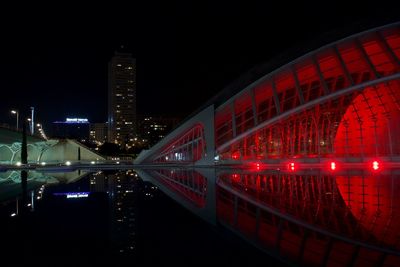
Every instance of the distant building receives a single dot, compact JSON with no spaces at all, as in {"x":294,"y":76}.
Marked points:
{"x":73,"y":128}
{"x":98,"y":132}
{"x":153,"y":129}
{"x":122,"y":99}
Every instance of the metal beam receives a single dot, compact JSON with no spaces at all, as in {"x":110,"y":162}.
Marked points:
{"x":327,"y":252}
{"x":343,"y":65}
{"x":321,"y":77}
{"x":257,"y":228}
{"x":253,"y":105}
{"x":308,"y":105}
{"x":366,"y":57}
{"x":233,"y":119}
{"x":387,"y":48}
{"x":301,"y":59}
{"x":297,"y":85}
{"x":276,"y":99}
{"x":235,"y":210}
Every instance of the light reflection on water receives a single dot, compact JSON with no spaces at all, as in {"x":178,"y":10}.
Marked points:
{"x":307,"y":218}
{"x":311,"y":218}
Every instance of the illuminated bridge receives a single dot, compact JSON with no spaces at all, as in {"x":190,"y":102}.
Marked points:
{"x":337,"y":105}
{"x":42,"y":151}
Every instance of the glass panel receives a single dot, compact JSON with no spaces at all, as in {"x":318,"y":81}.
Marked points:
{"x":332,"y":71}
{"x":265,"y":104}
{"x":223,"y":126}
{"x":355,"y":62}
{"x":309,"y":81}
{"x":243,"y":113}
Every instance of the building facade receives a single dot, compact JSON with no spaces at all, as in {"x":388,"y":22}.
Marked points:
{"x":72,"y":128}
{"x":154,"y":128}
{"x":339,"y":102}
{"x":98,"y":132}
{"x":122,"y":99}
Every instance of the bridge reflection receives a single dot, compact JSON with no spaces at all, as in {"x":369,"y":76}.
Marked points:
{"x":312,"y":218}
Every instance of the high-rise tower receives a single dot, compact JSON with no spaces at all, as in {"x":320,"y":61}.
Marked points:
{"x":122,"y":99}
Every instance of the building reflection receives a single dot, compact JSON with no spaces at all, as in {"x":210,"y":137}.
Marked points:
{"x":121,"y":187}
{"x":313,"y":218}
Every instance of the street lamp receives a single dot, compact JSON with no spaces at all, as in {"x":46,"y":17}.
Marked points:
{"x":16,"y":113}
{"x":41,"y":131}
{"x":29,"y":120}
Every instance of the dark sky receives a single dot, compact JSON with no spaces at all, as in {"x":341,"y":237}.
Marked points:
{"x":55,"y":57}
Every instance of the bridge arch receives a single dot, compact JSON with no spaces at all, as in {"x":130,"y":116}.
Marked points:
{"x":321,"y":105}
{"x":6,"y":153}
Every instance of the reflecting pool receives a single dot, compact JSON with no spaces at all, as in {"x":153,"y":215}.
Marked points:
{"x":201,"y":216}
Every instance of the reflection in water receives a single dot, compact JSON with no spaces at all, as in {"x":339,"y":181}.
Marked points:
{"x":24,"y":185}
{"x":191,"y":189}
{"x":122,"y":197}
{"x":375,"y":204}
{"x":313,"y":218}
{"x":123,"y":212}
{"x":12,"y":183}
{"x":93,"y":218}
{"x":191,"y":185}
{"x":20,"y":189}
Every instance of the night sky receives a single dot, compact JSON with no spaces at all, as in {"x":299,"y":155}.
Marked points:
{"x":57,"y":60}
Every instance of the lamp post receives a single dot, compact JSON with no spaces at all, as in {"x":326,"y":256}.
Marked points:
{"x":16,"y":113}
{"x":29,"y":124}
{"x":33,"y":121}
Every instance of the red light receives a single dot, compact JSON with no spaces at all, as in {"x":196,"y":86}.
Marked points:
{"x":256,"y":166}
{"x":236,"y":177}
{"x":291,"y":166}
{"x":333,"y":166}
{"x":236,"y":155}
{"x":375,"y":165}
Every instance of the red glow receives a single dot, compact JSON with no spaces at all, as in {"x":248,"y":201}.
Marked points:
{"x":375,"y":138}
{"x":333,"y":166}
{"x":291,"y":166}
{"x":236,"y":177}
{"x":235,"y":155}
{"x":375,"y":165}
{"x":256,"y":166}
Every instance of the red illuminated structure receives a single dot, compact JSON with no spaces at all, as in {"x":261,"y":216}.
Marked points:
{"x":340,"y":102}
{"x":313,"y":218}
